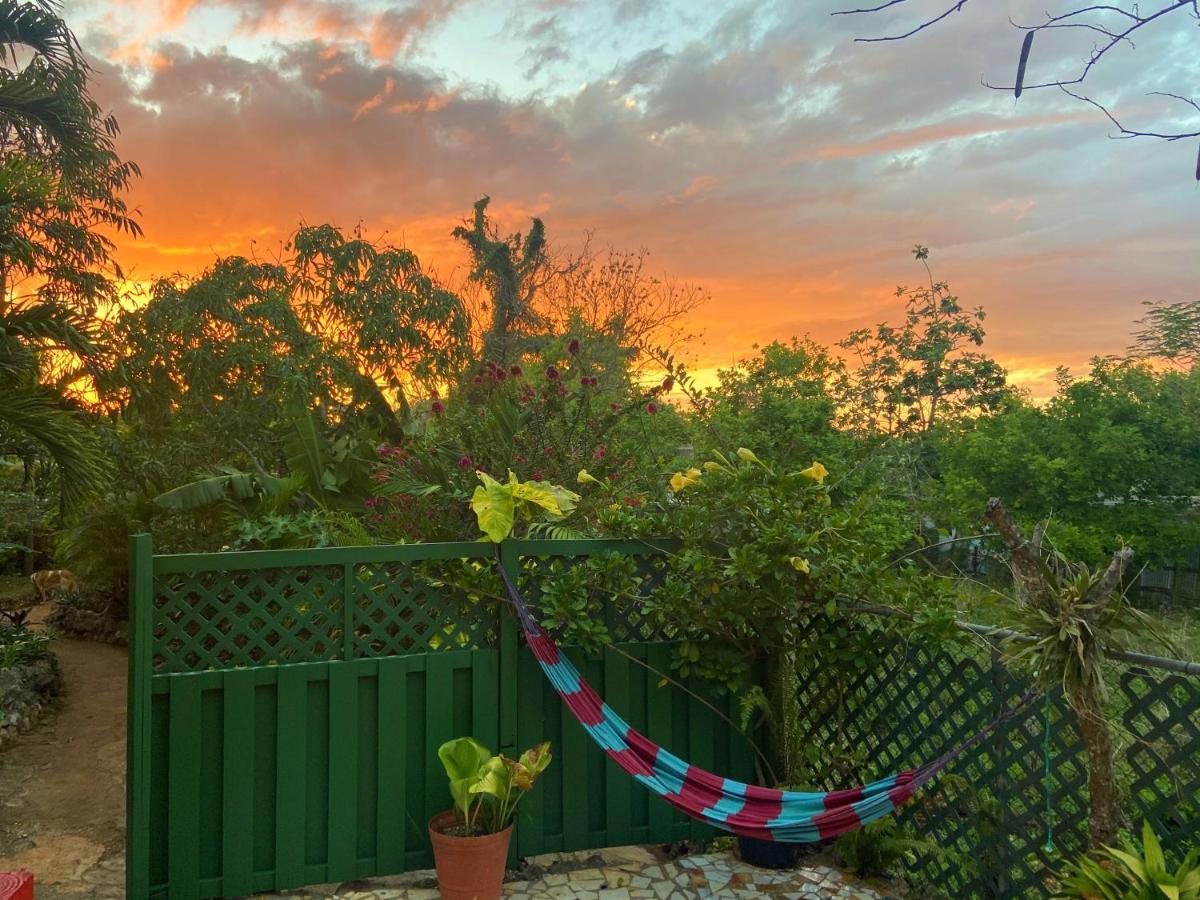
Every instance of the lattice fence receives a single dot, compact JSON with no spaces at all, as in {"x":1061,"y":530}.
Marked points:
{"x":989,"y":814}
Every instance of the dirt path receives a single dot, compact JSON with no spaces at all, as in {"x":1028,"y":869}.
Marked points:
{"x":62,"y":787}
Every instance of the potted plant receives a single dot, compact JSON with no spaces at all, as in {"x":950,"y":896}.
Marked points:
{"x":470,"y":841}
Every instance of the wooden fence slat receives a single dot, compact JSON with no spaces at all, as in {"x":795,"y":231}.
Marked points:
{"x":291,"y":752}
{"x":237,"y":812}
{"x":183,"y":842}
{"x":393,"y":743}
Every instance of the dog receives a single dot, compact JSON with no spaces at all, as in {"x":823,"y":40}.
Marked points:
{"x":49,"y":580}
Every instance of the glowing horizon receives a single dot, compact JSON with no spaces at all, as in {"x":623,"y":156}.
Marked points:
{"x":753,"y":150}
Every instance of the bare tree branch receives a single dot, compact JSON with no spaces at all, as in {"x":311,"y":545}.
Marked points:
{"x":1115,"y":24}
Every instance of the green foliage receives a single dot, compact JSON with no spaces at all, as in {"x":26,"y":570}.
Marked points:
{"x":485,"y":788}
{"x":1169,"y":332}
{"x":1114,"y":454}
{"x":877,"y":849}
{"x":496,"y":504}
{"x":19,"y":645}
{"x":781,"y":401}
{"x":566,"y":408}
{"x":1075,"y":624}
{"x":912,"y":377}
{"x":1133,"y":873}
{"x":61,"y":179}
{"x":761,"y":551}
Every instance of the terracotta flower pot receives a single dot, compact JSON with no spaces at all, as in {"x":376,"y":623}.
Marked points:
{"x":468,"y":868}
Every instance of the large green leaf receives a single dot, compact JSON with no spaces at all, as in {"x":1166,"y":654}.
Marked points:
{"x":463,"y":759}
{"x":495,"y":780}
{"x":213,"y":489}
{"x":494,"y":508}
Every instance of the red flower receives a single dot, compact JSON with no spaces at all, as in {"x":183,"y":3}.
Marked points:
{"x":537,"y":476}
{"x":615,"y":407}
{"x":437,"y":407}
{"x":573,"y":347}
{"x":599,"y":454}
{"x":516,"y":372}
{"x":478,"y":379}
{"x":652,"y":408}
{"x":549,"y":451}
{"x":552,"y":373}
{"x":465,"y":462}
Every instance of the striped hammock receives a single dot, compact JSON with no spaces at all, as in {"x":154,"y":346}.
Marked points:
{"x":744,"y":809}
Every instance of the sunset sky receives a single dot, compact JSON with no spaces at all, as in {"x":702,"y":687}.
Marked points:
{"x":752,"y":148}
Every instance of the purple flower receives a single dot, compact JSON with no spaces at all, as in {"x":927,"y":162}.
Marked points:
{"x":573,"y":347}
{"x":552,"y":373}
{"x":516,"y":372}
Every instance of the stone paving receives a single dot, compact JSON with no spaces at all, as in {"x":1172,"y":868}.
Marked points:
{"x":625,"y":873}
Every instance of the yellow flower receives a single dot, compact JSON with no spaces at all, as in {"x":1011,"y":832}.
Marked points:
{"x":800,"y":564}
{"x":711,"y":466}
{"x":681,"y":480}
{"x":816,"y":472}
{"x":585,"y":477}
{"x":614,"y":507}
{"x":747,"y":456}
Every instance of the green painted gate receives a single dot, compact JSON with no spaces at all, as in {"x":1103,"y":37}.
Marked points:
{"x":285,"y":710}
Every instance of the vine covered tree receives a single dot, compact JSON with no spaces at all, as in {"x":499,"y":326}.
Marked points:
{"x":511,"y":269}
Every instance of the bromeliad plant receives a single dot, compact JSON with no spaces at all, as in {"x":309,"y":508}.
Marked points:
{"x":1133,"y":873}
{"x":486,"y":789}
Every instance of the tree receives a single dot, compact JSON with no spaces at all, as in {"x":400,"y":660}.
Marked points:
{"x":780,"y":402}
{"x":511,"y":269}
{"x":60,"y":188}
{"x":612,"y":294}
{"x":35,"y":416}
{"x":1109,"y":25}
{"x":349,"y":328}
{"x":911,"y":377}
{"x":1076,"y":617}
{"x":62,"y":178}
{"x":1169,"y":332}
{"x":1114,"y":453}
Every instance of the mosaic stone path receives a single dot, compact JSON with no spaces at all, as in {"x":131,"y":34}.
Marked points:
{"x":626,"y":873}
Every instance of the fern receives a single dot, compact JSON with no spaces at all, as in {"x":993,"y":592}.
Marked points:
{"x":875,"y":849}
{"x":552,"y":531}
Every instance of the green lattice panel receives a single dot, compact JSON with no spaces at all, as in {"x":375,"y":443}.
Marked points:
{"x":987,"y":814}
{"x":400,"y":609}
{"x":222,"y":620}
{"x":1163,"y":758}
{"x":621,"y":613}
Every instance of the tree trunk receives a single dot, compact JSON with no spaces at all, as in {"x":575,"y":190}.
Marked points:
{"x":1105,"y":814}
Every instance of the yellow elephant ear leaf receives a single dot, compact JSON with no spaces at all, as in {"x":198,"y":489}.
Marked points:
{"x":494,"y":506}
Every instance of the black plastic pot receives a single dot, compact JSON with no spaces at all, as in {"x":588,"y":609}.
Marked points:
{"x":767,"y":854}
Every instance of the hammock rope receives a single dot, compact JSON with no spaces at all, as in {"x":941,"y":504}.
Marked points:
{"x":744,"y":809}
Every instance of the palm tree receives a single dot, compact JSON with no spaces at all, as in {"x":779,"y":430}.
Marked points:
{"x":36,"y":413}
{"x":61,"y":175}
{"x":60,"y":186}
